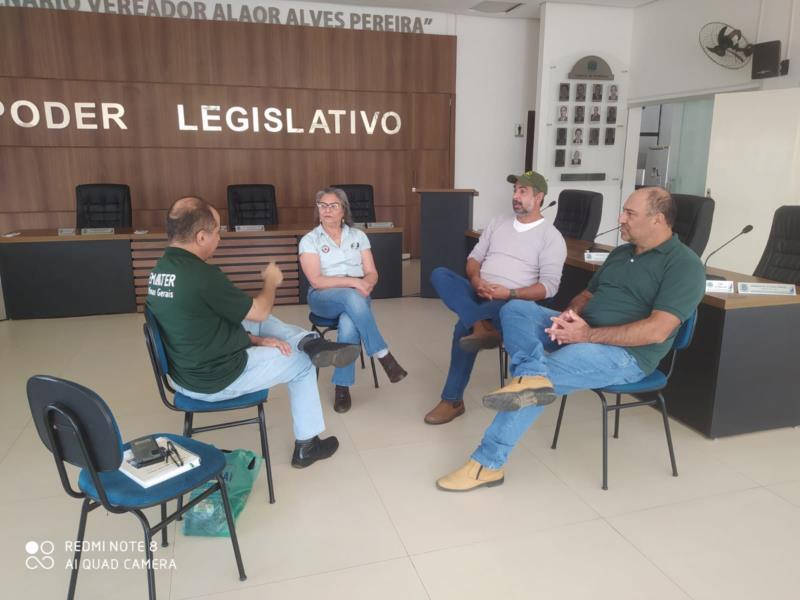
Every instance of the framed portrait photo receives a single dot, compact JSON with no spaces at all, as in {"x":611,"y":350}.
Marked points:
{"x":577,"y":136}
{"x":594,"y":136}
{"x":563,"y":92}
{"x":561,"y":136}
{"x":580,"y":111}
{"x":610,"y":136}
{"x":561,"y":157}
{"x":580,"y":92}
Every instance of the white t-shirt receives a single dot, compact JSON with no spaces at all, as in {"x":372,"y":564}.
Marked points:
{"x":343,"y":260}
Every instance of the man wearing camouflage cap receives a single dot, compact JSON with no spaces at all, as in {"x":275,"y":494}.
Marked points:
{"x":518,"y":256}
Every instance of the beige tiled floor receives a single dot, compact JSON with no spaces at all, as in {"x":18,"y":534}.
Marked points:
{"x":369,"y":523}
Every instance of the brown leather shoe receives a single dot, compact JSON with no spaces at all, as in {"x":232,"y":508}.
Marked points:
{"x":483,"y":336}
{"x":341,"y":399}
{"x":444,"y":412}
{"x":393,"y":369}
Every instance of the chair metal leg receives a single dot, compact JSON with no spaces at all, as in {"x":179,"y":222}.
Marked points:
{"x":502,"y":367}
{"x":616,"y":417}
{"x":374,"y":372}
{"x":605,"y":439}
{"x":558,"y":423}
{"x":363,"y":365}
{"x":76,"y":561}
{"x":164,"y":541}
{"x":148,"y":553}
{"x":188,"y":421}
{"x":262,"y":424}
{"x":662,"y":403}
{"x":231,"y":527}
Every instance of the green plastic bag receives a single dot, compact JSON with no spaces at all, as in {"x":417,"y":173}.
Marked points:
{"x":207,"y":518}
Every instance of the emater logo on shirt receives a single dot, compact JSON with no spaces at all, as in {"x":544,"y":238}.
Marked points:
{"x":161,"y":280}
{"x":325,"y":249}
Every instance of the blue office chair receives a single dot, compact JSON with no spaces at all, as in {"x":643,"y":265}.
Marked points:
{"x":77,"y":426}
{"x":643,"y":389}
{"x":190,"y":406}
{"x":322,"y":325}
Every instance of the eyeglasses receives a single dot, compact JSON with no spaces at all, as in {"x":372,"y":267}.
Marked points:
{"x":172,"y":453}
{"x":331,"y":206}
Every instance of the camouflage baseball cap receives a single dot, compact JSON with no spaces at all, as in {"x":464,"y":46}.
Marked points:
{"x":530,"y":178}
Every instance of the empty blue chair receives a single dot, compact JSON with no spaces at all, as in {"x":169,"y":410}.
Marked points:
{"x":651,"y":387}
{"x":77,"y":426}
{"x":322,"y":325}
{"x":190,"y":406}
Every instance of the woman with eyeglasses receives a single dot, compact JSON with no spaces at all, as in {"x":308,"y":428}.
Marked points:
{"x":337,"y":261}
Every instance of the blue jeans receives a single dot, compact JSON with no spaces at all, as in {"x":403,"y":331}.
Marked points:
{"x":570,"y":368}
{"x":267,"y":367}
{"x":356,"y":324}
{"x":459,"y":296}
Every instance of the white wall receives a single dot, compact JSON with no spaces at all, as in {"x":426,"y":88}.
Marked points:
{"x":495,"y":80}
{"x":667,"y":61}
{"x":753,"y":168}
{"x":569,"y":32}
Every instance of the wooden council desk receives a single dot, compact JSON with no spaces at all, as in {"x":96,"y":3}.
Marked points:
{"x":46,"y":275}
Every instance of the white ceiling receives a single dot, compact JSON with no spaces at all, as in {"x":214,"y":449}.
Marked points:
{"x":528,"y":10}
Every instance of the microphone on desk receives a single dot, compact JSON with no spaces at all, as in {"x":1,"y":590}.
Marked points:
{"x":745,"y":229}
{"x":549,"y":205}
{"x":593,"y":247}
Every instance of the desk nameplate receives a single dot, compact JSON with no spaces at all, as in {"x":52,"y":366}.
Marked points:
{"x":767,"y":289}
{"x":715,"y":286}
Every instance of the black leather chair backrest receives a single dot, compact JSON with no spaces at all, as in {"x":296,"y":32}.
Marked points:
{"x":693,"y":221}
{"x":362,"y":203}
{"x":252,"y":204}
{"x":781,"y":258}
{"x":57,"y":406}
{"x":579,"y":213}
{"x":103,"y":205}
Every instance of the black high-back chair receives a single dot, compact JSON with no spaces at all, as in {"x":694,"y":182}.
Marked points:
{"x":362,"y":201}
{"x":252,"y":204}
{"x":77,"y":426}
{"x":781,"y":258}
{"x":693,"y":221}
{"x":103,"y":205}
{"x":579,"y":213}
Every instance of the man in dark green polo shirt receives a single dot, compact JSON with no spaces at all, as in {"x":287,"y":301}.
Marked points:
{"x":616,"y":331}
{"x":221,"y":343}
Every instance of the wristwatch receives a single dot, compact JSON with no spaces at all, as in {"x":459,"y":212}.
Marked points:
{"x":512,"y":294}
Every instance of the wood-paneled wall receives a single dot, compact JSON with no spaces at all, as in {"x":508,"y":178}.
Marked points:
{"x":150,"y":65}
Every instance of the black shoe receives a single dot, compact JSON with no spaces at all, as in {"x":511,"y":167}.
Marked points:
{"x":310,"y":451}
{"x":324,"y":353}
{"x":342,"y":401}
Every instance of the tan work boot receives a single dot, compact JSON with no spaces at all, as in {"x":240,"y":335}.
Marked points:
{"x":472,"y":475}
{"x":483,"y":336}
{"x":523,"y":391}
{"x":444,"y":412}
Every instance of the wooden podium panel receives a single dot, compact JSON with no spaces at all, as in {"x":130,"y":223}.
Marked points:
{"x":444,"y":217}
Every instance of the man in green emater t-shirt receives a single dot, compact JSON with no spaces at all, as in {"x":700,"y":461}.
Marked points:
{"x":221,"y":343}
{"x":614,"y":332}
